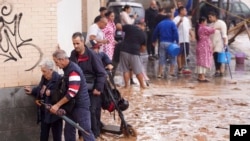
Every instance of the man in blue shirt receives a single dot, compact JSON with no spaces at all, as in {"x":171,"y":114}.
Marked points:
{"x":166,"y":32}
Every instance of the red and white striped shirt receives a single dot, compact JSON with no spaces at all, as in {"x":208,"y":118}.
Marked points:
{"x":74,"y":84}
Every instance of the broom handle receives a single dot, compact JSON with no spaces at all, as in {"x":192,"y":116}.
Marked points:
{"x":184,"y":45}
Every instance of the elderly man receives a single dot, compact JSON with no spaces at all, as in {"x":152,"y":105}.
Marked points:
{"x":76,"y":90}
{"x":95,"y":31}
{"x":43,"y":92}
{"x":93,"y":69}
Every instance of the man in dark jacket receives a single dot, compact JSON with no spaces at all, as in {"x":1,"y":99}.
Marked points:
{"x":95,"y":74}
{"x":77,"y":91}
{"x":150,"y":15}
{"x":43,"y":92}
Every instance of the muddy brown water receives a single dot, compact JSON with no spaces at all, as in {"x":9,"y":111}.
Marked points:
{"x":182,"y":109}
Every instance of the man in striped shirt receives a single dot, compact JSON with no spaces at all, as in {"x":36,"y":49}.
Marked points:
{"x":76,"y":90}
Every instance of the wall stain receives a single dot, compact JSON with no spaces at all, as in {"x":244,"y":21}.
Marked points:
{"x":12,"y":38}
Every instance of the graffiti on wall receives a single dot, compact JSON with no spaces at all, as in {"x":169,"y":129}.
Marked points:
{"x":11,"y":42}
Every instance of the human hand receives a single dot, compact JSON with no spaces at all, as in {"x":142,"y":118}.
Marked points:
{"x":135,"y":16}
{"x":105,"y":41}
{"x":47,"y":92}
{"x":109,"y":67}
{"x":38,"y":103}
{"x":96,"y":92}
{"x":54,"y":109}
{"x":27,"y":90}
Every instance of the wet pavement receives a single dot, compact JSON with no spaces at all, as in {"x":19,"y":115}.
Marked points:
{"x":183,"y":109}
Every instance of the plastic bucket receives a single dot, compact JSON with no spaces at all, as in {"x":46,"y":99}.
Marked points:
{"x":240,"y":58}
{"x":173,"y":49}
{"x":224,"y":57}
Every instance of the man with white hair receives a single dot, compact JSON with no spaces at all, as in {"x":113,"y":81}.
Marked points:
{"x":77,"y":91}
{"x":43,"y":92}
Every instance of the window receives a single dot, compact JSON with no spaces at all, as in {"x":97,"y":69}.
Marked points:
{"x":244,"y":8}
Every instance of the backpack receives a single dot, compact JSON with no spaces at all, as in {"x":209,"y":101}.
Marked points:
{"x":112,"y":99}
{"x":59,"y":92}
{"x":108,"y":103}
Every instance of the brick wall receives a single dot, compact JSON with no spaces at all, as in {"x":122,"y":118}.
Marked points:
{"x":28,"y":32}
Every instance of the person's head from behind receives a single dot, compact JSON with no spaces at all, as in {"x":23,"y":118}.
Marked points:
{"x":169,"y":12}
{"x":212,"y":16}
{"x":102,"y":11}
{"x":110,"y":15}
{"x":47,"y":69}
{"x":78,"y":42}
{"x":127,"y":9}
{"x":162,"y":11}
{"x":60,"y":58}
{"x":182,"y":11}
{"x":102,"y":22}
{"x":202,"y":20}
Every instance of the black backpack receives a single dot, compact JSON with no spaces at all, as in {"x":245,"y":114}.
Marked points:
{"x":111,"y":97}
{"x":59,"y":92}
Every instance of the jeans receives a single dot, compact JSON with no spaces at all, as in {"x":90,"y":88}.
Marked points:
{"x":95,"y":110}
{"x":56,"y":130}
{"x":81,"y":116}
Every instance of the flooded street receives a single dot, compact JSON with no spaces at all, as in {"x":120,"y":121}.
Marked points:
{"x":182,"y":109}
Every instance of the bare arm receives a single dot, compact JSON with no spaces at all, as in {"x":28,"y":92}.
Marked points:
{"x":93,"y":37}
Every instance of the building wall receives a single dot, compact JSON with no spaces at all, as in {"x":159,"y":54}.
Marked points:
{"x":28,"y":33}
{"x":69,"y":20}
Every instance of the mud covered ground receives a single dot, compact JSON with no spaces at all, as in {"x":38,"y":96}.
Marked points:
{"x":182,"y":109}
{"x":185,"y":110}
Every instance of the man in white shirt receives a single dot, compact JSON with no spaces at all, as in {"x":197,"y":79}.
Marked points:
{"x":95,"y":32}
{"x":184,"y":31}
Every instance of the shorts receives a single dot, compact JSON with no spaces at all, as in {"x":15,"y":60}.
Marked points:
{"x":182,"y":51}
{"x":164,"y":54}
{"x":130,"y":61}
